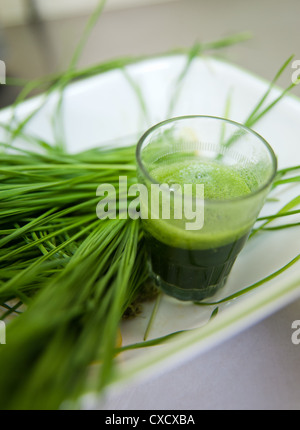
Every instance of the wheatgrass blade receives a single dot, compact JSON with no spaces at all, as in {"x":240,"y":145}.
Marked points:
{"x":294,"y":202}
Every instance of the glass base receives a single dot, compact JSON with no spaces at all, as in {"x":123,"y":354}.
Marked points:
{"x":188,"y":294}
{"x":191,"y":274}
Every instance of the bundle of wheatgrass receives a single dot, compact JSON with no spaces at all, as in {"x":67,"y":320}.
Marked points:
{"x":65,"y":276}
{"x":74,"y":273}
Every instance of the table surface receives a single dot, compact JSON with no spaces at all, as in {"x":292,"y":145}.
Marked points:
{"x":259,"y":368}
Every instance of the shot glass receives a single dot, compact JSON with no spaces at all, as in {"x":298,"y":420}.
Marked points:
{"x":210,"y":178}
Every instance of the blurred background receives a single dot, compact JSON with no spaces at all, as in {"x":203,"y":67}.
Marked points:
{"x":38,"y":37}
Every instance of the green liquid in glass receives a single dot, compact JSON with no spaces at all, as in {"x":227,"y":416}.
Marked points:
{"x":193,"y":265}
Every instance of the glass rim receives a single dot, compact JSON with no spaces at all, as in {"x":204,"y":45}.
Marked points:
{"x":234,"y":123}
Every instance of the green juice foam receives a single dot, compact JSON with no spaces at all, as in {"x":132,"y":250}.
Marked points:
{"x":220,"y":182}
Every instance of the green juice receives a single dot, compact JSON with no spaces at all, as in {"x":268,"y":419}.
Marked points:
{"x":193,"y":265}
